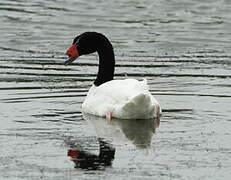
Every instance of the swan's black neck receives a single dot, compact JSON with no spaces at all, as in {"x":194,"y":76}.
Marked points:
{"x":90,"y":42}
{"x":106,"y":63}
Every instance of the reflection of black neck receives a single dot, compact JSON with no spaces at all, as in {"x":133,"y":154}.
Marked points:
{"x":106,"y":63}
{"x":86,"y":160}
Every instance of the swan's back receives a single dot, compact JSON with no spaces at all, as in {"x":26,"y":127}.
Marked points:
{"x":126,"y":99}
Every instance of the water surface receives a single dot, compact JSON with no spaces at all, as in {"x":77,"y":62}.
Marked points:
{"x":181,"y":47}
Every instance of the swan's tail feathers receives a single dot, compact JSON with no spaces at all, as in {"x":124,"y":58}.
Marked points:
{"x":138,"y":101}
{"x":139,"y":107}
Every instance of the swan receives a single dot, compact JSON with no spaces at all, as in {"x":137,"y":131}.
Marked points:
{"x":123,"y":99}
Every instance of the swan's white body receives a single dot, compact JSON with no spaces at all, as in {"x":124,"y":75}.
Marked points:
{"x":125,"y":99}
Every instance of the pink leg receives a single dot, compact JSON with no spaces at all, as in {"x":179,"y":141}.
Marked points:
{"x":109,"y":116}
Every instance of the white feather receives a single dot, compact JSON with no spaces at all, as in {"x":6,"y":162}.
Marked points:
{"x":125,"y":99}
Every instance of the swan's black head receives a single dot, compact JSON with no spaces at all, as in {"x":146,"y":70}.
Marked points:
{"x":90,"y":42}
{"x":86,"y":43}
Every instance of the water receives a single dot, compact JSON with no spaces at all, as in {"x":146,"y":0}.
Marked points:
{"x":181,"y":47}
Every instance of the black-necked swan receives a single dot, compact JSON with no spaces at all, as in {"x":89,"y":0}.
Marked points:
{"x":124,"y":99}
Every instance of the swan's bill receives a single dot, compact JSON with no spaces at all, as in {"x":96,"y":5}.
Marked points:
{"x":70,"y":60}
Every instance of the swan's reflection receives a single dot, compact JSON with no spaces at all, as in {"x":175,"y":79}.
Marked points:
{"x":138,"y":131}
{"x":116,"y":132}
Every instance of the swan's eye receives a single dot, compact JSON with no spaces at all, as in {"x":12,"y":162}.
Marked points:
{"x":76,"y":42}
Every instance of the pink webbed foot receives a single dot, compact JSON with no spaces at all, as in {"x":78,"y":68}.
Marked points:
{"x":158,"y":114}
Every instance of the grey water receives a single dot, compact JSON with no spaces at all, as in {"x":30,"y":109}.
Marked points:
{"x":182,"y":47}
